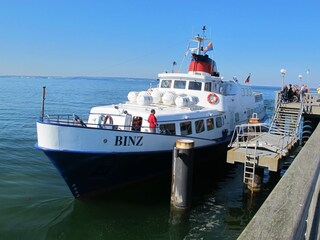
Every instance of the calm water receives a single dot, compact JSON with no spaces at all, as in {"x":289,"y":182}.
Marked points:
{"x":35,"y":203}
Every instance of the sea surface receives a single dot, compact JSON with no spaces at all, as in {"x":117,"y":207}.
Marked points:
{"x":35,"y":203}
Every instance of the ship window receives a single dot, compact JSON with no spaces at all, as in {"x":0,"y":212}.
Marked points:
{"x":236,"y":117}
{"x":194,"y":85}
{"x":169,"y":128}
{"x":207,"y":87}
{"x":166,"y":83}
{"x":179,"y":84}
{"x":210,"y":124}
{"x":219,"y":122}
{"x":185,"y":128}
{"x":199,"y":126}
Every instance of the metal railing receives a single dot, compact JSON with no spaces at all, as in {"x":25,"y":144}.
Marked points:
{"x":244,"y":132}
{"x":65,"y":119}
{"x":75,"y":120}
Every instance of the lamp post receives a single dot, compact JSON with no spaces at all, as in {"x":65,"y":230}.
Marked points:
{"x":283,"y":72}
{"x":300,"y":77}
{"x":308,"y":73}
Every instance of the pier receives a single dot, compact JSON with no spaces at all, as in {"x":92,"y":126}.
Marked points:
{"x":257,"y":145}
{"x":292,"y":209}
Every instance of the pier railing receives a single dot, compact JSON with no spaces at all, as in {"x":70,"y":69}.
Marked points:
{"x":291,"y":211}
{"x":310,"y":102}
{"x":245,"y":132}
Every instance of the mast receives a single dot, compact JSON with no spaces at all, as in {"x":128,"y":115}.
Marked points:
{"x":200,"y":40}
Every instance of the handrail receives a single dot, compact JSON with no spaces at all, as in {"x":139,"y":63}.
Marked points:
{"x":70,"y":120}
{"x":242,"y":132}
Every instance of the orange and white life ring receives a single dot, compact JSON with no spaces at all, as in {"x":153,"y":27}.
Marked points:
{"x":106,"y":120}
{"x":254,"y":120}
{"x":212,"y":98}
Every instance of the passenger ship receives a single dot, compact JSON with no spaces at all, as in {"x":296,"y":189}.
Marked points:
{"x":114,"y":145}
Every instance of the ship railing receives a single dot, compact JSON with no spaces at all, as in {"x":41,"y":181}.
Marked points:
{"x":63,"y":119}
{"x":75,"y":120}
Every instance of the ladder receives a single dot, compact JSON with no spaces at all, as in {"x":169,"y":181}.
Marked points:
{"x":250,"y":165}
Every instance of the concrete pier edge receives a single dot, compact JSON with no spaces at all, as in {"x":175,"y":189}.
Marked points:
{"x":291,"y":209}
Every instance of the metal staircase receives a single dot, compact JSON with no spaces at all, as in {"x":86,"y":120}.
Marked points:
{"x":286,"y":120}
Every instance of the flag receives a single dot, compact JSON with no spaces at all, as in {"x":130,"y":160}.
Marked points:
{"x":248,"y":78}
{"x":209,"y":47}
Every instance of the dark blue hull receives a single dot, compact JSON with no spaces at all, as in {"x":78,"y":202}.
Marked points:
{"x":89,"y":172}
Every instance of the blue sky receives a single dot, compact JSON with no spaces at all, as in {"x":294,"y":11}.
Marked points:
{"x":141,"y":38}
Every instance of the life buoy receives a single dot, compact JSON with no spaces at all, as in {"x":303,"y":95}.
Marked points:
{"x":254,"y":120}
{"x":106,"y":120}
{"x":212,"y":98}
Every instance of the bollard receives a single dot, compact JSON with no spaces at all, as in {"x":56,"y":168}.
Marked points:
{"x":182,"y":171}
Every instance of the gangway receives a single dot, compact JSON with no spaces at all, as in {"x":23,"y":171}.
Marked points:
{"x":261,"y":145}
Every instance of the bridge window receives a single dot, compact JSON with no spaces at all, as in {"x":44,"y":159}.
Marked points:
{"x":169,"y":128}
{"x":185,"y":128}
{"x":179,"y":84}
{"x":210,"y":124}
{"x":194,"y":85}
{"x":166,"y":83}
{"x":207,"y":87}
{"x":236,"y":117}
{"x":219,"y":122}
{"x":258,"y":97}
{"x":199,"y":126}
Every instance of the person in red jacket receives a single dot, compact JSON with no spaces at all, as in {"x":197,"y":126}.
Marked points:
{"x":152,"y":120}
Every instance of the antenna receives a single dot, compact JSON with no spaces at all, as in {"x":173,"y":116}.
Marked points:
{"x":203,"y":31}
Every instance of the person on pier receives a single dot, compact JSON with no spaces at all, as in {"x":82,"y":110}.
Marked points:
{"x":290,"y":92}
{"x":284,"y":94}
{"x":303,"y":90}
